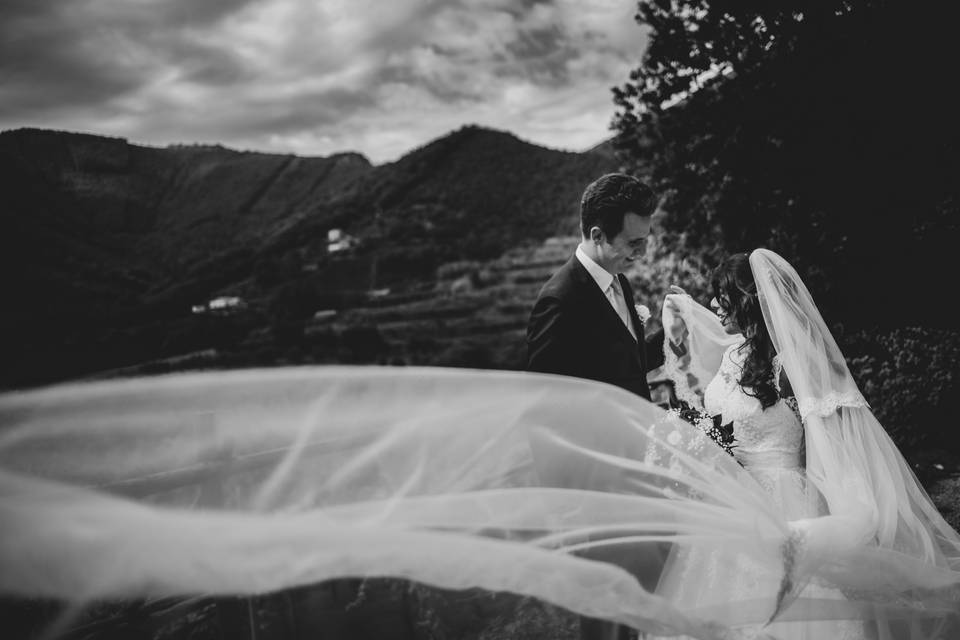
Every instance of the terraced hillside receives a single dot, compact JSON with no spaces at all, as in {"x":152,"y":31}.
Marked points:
{"x":476,"y":314}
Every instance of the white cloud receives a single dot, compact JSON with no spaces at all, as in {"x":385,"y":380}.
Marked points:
{"x":317,"y":77}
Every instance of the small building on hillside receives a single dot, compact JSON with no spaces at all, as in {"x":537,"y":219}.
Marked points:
{"x":338,"y":241}
{"x":224,"y":303}
{"x":220,"y":305}
{"x":325,"y":314}
{"x":376,"y":294}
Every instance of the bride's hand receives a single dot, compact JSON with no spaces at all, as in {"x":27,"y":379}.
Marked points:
{"x":678,"y":290}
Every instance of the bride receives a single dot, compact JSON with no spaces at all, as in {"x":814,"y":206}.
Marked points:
{"x":254,"y":481}
{"x":749,"y":390}
{"x":767,"y":363}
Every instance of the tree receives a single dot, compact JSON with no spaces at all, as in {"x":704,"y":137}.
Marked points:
{"x":826,"y":131}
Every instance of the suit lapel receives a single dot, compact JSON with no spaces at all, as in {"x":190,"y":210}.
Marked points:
{"x":635,"y":319}
{"x":628,"y":296}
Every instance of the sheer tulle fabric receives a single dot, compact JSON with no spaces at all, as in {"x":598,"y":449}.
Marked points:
{"x":849,"y":456}
{"x":703,"y":345}
{"x":253,"y":481}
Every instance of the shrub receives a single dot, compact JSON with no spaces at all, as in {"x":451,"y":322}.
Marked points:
{"x":466,"y":354}
{"x":453,"y":270}
{"x":909,"y":376}
{"x":362,"y":345}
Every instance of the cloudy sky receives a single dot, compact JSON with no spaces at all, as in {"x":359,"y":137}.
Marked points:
{"x":314,"y":77}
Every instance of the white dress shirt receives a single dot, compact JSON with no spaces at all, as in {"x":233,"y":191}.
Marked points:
{"x":610,"y":286}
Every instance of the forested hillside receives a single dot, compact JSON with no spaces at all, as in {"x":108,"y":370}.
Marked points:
{"x":108,"y":246}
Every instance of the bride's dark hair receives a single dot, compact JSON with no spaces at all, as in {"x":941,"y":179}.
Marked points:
{"x":736,"y":292}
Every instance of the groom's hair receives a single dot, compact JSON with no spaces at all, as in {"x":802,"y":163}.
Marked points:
{"x":608,"y":198}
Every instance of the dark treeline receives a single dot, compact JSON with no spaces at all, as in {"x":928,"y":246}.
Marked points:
{"x":827,"y":132}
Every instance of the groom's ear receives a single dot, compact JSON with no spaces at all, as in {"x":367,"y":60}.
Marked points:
{"x":596,"y":235}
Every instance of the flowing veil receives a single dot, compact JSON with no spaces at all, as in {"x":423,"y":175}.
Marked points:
{"x":248,"y":482}
{"x":703,"y":344}
{"x":874,"y":499}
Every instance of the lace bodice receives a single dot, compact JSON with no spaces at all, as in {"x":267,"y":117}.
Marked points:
{"x":771,"y":437}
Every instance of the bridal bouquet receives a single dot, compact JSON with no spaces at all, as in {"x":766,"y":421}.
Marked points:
{"x":713,"y":426}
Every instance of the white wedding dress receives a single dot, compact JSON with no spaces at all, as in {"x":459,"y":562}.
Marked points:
{"x":769,"y":443}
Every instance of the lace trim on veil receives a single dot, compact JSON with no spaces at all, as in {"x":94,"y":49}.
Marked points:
{"x":829,"y":403}
{"x":821,"y":407}
{"x":678,"y":375}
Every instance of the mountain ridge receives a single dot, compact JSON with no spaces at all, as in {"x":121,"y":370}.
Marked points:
{"x":103,"y":238}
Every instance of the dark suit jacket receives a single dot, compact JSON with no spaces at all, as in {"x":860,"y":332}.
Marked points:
{"x":574,"y":331}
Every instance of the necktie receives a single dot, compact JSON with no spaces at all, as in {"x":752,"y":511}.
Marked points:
{"x":620,"y":305}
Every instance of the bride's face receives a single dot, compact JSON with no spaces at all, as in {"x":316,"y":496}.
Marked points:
{"x":726,"y":317}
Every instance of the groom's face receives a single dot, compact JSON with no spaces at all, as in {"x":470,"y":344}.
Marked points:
{"x":618,"y":253}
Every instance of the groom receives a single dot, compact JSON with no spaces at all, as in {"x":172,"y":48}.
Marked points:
{"x":584,"y":322}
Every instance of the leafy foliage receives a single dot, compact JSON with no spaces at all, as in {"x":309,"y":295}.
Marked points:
{"x":909,"y":376}
{"x":823,"y":131}
{"x":820,"y":130}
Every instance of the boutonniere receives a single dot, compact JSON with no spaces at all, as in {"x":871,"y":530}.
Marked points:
{"x":643,"y":312}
